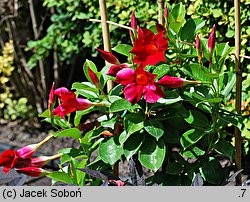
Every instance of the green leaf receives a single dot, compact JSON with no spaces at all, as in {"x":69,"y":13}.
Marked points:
{"x":174,"y":168}
{"x":152,"y":153}
{"x":224,"y":148}
{"x":92,"y":66}
{"x":79,"y":115}
{"x":84,"y":86}
{"x":178,"y":12}
{"x":227,"y":82}
{"x":212,"y":171}
{"x":45,"y":114}
{"x":154,"y":128}
{"x":190,"y":137}
{"x":71,"y":132}
{"x":132,"y":145}
{"x":60,"y":177}
{"x":193,"y":152}
{"x":133,"y":122}
{"x":190,"y":28}
{"x":197,"y":72}
{"x":123,"y":49}
{"x":197,"y":118}
{"x":161,"y":70}
{"x":109,"y":151}
{"x":120,"y":105}
{"x":169,"y":101}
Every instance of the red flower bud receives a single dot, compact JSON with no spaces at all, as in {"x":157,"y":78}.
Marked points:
{"x":109,"y":57}
{"x":212,"y":40}
{"x":28,"y":151}
{"x":166,"y":13}
{"x":171,"y":82}
{"x":33,"y":171}
{"x":43,"y":160}
{"x":197,"y":43}
{"x":51,"y":96}
{"x":133,"y":22}
{"x":94,"y":78}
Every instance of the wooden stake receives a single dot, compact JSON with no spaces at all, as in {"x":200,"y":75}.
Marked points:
{"x":238,"y":139}
{"x":160,"y":8}
{"x":105,"y":34}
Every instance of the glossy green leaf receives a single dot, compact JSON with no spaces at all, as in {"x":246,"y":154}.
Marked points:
{"x":227,"y":82}
{"x":212,"y":171}
{"x":71,"y":132}
{"x":154,"y":128}
{"x":152,"y":153}
{"x":190,"y":137}
{"x":60,"y":177}
{"x":197,"y":118}
{"x":123,"y":49}
{"x":161,"y":70}
{"x":132,"y":145}
{"x":120,"y":105}
{"x":190,"y":28}
{"x":92,"y":66}
{"x":110,"y":151}
{"x":224,"y":148}
{"x":174,"y":168}
{"x":133,"y":122}
{"x":193,"y":152}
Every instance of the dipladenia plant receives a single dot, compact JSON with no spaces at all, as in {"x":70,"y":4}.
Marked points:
{"x":165,"y":112}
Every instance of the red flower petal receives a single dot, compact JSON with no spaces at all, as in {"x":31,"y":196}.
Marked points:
{"x":133,"y":93}
{"x":64,"y":94}
{"x":125,"y":76}
{"x":152,"y":93}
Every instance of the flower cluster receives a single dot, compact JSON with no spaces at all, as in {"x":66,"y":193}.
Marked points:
{"x":23,"y":162}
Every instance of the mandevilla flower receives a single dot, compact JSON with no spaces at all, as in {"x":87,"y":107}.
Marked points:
{"x":8,"y":160}
{"x":33,"y":171}
{"x":139,"y":83}
{"x":69,"y":102}
{"x":175,"y":82}
{"x":149,"y":47}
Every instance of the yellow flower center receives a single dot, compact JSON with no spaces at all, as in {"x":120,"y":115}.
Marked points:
{"x":142,"y":79}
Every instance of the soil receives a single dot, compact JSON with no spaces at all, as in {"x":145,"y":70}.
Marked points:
{"x":16,"y":134}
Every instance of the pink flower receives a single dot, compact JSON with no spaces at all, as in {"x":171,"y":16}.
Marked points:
{"x":69,"y":102}
{"x":33,"y":171}
{"x":139,"y":83}
{"x":8,"y":160}
{"x":149,"y":47}
{"x":117,"y":182}
{"x":212,"y":40}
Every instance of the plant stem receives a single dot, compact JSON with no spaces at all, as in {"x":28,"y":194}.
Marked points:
{"x":238,"y":139}
{"x":160,"y":8}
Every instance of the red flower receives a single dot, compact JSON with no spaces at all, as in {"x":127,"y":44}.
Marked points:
{"x":114,"y":69}
{"x":33,"y":171}
{"x":8,"y":160}
{"x":69,"y":102}
{"x":139,"y":83}
{"x":149,"y":47}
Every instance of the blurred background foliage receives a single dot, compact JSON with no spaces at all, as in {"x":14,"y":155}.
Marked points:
{"x":52,"y":39}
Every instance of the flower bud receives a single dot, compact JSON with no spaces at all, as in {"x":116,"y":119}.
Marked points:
{"x":166,"y":13}
{"x":133,"y":22}
{"x":109,"y":57}
{"x":94,"y":78}
{"x":212,"y":40}
{"x":33,"y":171}
{"x":51,"y":96}
{"x":43,"y":160}
{"x":28,"y":151}
{"x":171,"y":82}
